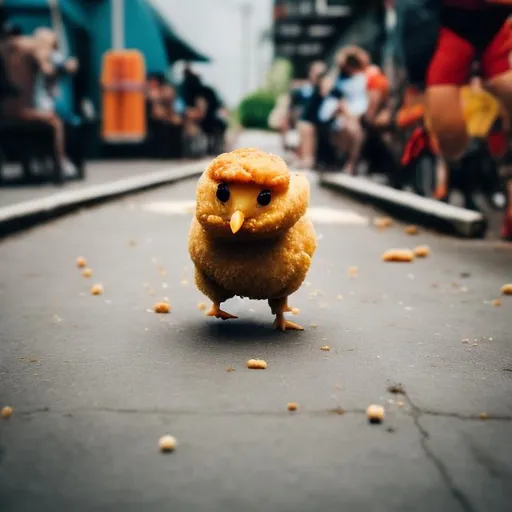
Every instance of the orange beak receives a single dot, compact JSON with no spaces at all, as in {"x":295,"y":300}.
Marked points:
{"x":237,"y":219}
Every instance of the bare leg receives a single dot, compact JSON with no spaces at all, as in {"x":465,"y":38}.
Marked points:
{"x":278,"y":308}
{"x":441,"y":190}
{"x":444,"y":108}
{"x":356,"y":137}
{"x":501,"y":87}
{"x":307,"y":143}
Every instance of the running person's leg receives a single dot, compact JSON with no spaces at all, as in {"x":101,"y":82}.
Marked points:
{"x":497,"y":69}
{"x":447,"y":72}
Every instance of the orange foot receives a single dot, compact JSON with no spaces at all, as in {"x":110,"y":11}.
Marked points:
{"x":281,"y":324}
{"x":218,"y":313}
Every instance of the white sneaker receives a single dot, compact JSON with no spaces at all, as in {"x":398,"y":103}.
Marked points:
{"x":68,"y":169}
{"x":498,"y":198}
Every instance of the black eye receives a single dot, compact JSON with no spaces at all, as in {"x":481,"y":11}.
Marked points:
{"x":223,"y":193}
{"x":264,"y":197}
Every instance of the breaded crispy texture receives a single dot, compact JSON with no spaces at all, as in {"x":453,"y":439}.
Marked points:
{"x":250,"y":165}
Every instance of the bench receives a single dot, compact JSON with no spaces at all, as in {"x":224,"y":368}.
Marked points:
{"x":27,"y":142}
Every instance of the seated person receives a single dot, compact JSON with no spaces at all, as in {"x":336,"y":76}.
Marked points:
{"x":300,"y":99}
{"x":214,"y":123}
{"x":348,"y":101}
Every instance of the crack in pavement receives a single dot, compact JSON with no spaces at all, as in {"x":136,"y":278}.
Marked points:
{"x":304,"y":412}
{"x":443,"y":471}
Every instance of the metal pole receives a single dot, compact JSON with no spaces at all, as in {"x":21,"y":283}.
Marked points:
{"x":246,"y":11}
{"x":117,"y":24}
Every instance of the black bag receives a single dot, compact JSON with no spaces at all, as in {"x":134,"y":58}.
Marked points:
{"x":418,"y":23}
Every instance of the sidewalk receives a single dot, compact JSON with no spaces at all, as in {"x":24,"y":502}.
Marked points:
{"x":97,"y":173}
{"x":24,"y":206}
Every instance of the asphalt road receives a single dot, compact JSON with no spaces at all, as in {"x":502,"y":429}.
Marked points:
{"x":96,"y":380}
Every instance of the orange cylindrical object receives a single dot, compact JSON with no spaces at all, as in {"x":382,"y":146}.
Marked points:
{"x":123,"y":82}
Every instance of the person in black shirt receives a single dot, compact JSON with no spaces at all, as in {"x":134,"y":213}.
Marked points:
{"x":306,"y":113}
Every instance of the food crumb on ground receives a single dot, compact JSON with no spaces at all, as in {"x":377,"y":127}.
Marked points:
{"x":97,"y":289}
{"x":411,"y":230}
{"x":383,"y":222}
{"x":325,"y":348}
{"x":375,"y":413}
{"x":81,"y":262}
{"x":162,"y":307}
{"x":230,"y":369}
{"x":398,"y":255}
{"x":496,"y":303}
{"x":184,"y":282}
{"x":422,"y":251}
{"x":292,"y":406}
{"x":400,"y":404}
{"x":483,"y":416}
{"x":314,"y":326}
{"x":256,"y":364}
{"x":353,"y":271}
{"x":6,"y":412}
{"x":201,"y":306}
{"x":506,"y":289}
{"x":87,"y":272}
{"x":167,"y":443}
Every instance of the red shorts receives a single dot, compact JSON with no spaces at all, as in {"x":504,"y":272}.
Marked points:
{"x":454,"y":55}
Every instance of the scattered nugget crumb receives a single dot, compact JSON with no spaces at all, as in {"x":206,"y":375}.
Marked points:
{"x":338,"y":411}
{"x":353,"y":271}
{"x":422,"y":251}
{"x":483,"y":416}
{"x":383,"y":222}
{"x":295,"y":311}
{"x":97,"y":289}
{"x":398,"y":255}
{"x":496,"y":303}
{"x":184,"y":282}
{"x":411,"y":230}
{"x":506,"y":289}
{"x":400,"y":404}
{"x":167,"y":443}
{"x":6,"y":412}
{"x":162,"y":307}
{"x":325,"y":348}
{"x":201,"y":306}
{"x":256,"y":364}
{"x":87,"y":272}
{"x":81,"y":262}
{"x":292,"y":406}
{"x":375,"y":413}
{"x":230,"y":369}
{"x":314,"y":326}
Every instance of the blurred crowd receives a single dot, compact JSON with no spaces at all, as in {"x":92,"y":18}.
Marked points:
{"x":335,"y":111}
{"x":187,"y":120}
{"x":353,"y":118}
{"x":31,"y":69}
{"x":183,"y":120}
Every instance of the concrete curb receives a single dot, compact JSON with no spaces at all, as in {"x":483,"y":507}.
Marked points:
{"x":36,"y":211}
{"x":408,"y":206}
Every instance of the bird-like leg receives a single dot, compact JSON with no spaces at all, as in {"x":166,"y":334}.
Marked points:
{"x":279,"y":307}
{"x":218,"y":313}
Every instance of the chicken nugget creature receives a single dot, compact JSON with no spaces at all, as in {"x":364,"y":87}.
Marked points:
{"x":250,"y":236}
